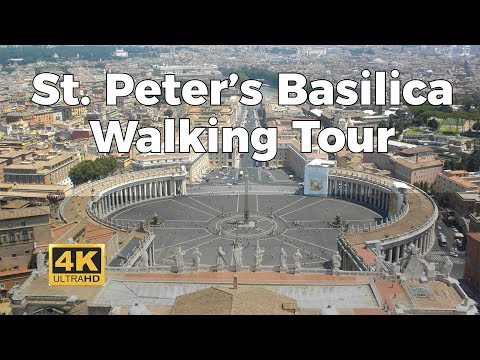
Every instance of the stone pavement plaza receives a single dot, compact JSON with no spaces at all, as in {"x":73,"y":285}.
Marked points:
{"x":206,"y":219}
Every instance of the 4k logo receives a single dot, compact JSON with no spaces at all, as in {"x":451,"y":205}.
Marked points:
{"x":76,"y":264}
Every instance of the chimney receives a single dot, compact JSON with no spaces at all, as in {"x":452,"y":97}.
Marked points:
{"x":235,"y":282}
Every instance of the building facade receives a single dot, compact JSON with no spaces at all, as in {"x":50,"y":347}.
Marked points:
{"x":19,"y":229}
{"x":472,"y":265}
{"x":43,"y":169}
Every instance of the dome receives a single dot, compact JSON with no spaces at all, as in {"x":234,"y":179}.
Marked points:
{"x":378,"y":61}
{"x":328,"y":310}
{"x":138,"y":309}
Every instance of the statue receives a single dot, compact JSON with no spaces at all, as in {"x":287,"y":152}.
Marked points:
{"x":337,"y":221}
{"x":40,"y":261}
{"x":336,"y":261}
{"x":297,"y":258}
{"x":258,"y":257}
{"x":14,"y":291}
{"x":221,"y":258}
{"x":196,"y":258}
{"x":379,"y":258}
{"x":447,"y":266}
{"x":395,"y":268}
{"x":237,"y":254}
{"x":283,"y":259}
{"x":144,"y":256}
{"x":178,"y":257}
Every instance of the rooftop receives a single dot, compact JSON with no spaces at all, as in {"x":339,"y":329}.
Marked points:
{"x":420,"y":164}
{"x":26,"y":212}
{"x":322,"y":163}
{"x":469,"y":196}
{"x":229,"y":301}
{"x":411,"y":221}
{"x":417,"y":150}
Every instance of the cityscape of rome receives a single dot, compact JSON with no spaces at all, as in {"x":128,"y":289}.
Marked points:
{"x":220,"y":233}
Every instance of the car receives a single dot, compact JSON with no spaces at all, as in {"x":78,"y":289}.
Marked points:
{"x":454,"y":229}
{"x":453,"y":254}
{"x":439,"y":227}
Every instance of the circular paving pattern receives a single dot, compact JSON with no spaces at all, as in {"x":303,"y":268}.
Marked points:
{"x":260,"y":226}
{"x":206,"y":220}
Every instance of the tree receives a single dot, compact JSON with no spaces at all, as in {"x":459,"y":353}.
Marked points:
{"x":382,"y":124}
{"x":92,"y":170}
{"x":433,"y":124}
{"x":476,"y":126}
{"x":168,"y":112}
{"x":472,"y":161}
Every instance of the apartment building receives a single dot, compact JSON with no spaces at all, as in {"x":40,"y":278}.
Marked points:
{"x":472,"y":263}
{"x":49,"y":168}
{"x":413,"y":165}
{"x":19,"y":229}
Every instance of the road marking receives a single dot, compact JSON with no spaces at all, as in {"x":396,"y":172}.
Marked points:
{"x":180,"y":243}
{"x":299,"y":248}
{"x":194,"y":208}
{"x":300,"y":208}
{"x":309,"y":243}
{"x":193,"y":221}
{"x":238,"y":201}
{"x":271,"y":175}
{"x":191,"y":197}
{"x":256,"y":197}
{"x":206,"y":242}
{"x":312,"y":228}
{"x":302,"y":198}
{"x":180,"y":228}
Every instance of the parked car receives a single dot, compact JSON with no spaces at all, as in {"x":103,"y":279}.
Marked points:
{"x":453,"y":254}
{"x":439,"y":227}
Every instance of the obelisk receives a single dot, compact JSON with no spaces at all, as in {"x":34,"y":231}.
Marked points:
{"x":246,"y":214}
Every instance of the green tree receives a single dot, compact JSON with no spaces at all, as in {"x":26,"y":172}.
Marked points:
{"x":433,"y":124}
{"x":383,"y":123}
{"x":472,"y":161}
{"x":92,"y":170}
{"x":168,"y":112}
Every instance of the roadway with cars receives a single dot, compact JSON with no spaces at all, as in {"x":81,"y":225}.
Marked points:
{"x":437,"y":253}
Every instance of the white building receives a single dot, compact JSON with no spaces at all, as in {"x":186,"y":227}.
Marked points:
{"x":316,"y":177}
{"x":120,"y":53}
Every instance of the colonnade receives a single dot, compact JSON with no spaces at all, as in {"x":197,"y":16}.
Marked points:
{"x":422,"y":242}
{"x":355,"y":190}
{"x":137,"y":191}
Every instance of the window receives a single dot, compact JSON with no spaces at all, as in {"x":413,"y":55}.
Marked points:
{"x":24,"y":223}
{"x":27,"y":252}
{"x":14,"y":255}
{"x":11,"y":237}
{"x":24,"y":235}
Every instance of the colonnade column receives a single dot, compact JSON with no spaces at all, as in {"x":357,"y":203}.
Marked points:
{"x":397,"y":252}
{"x":390,"y":254}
